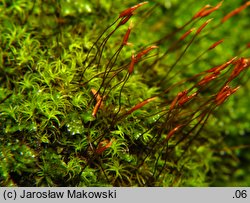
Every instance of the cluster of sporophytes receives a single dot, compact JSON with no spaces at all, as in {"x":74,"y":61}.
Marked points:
{"x":94,"y":94}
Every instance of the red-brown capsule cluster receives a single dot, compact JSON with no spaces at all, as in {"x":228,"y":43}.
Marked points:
{"x":224,"y":93}
{"x":240,"y":65}
{"x":181,"y":98}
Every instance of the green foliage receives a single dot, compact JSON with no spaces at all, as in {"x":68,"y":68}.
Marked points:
{"x":59,"y":59}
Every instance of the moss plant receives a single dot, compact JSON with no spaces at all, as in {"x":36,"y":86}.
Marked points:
{"x":99,"y":94}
